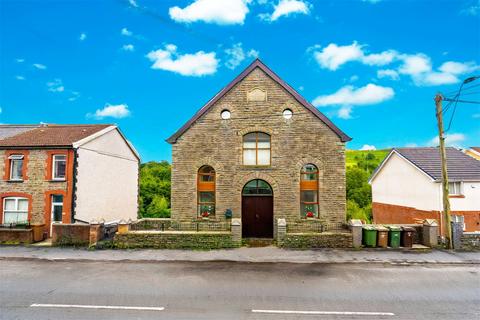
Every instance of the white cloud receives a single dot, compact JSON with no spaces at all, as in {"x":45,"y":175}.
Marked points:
{"x":473,"y":10}
{"x":55,"y":86}
{"x":388,"y":73}
{"x":435,"y":78}
{"x":40,"y":66}
{"x":75,"y":96}
{"x":20,"y":77}
{"x":212,"y":11}
{"x":415,"y":64}
{"x":451,"y":140}
{"x":0,"y":109}
{"x":367,"y":147}
{"x":287,"y":8}
{"x":457,"y":68}
{"x":128,"y":47}
{"x":353,"y":78}
{"x":196,"y":64}
{"x":345,"y":112}
{"x":126,"y":32}
{"x":133,"y":3}
{"x":350,"y":96}
{"x":113,"y":111}
{"x":82,"y":36}
{"x":380,"y":59}
{"x":19,"y":60}
{"x":333,"y":56}
{"x":236,"y":55}
{"x":476,"y":116}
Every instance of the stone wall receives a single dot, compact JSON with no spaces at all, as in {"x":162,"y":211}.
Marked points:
{"x":295,"y":142}
{"x":317,"y":240}
{"x":470,"y":241}
{"x":15,"y":236}
{"x":37,"y":186}
{"x":174,"y":240}
{"x":71,"y":234}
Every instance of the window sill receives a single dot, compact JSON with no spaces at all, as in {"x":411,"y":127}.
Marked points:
{"x":257,"y":167}
{"x":456,"y":196}
{"x":57,"y":180}
{"x":15,"y":181}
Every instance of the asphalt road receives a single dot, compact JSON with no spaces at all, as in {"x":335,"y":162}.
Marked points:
{"x":225,"y":290}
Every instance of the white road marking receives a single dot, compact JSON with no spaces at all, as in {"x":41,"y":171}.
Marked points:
{"x":341,"y":313}
{"x":41,"y":305}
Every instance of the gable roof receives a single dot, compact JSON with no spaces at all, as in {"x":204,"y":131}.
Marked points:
{"x":10,"y":130}
{"x":51,"y":136}
{"x":460,"y":167}
{"x":259,"y":64}
{"x":476,"y":149}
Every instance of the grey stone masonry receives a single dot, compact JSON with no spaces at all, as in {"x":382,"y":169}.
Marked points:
{"x":281,"y":231}
{"x":236,"y":230}
{"x":301,"y":140}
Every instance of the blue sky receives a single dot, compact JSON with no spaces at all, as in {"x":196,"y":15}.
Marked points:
{"x":372,"y":66}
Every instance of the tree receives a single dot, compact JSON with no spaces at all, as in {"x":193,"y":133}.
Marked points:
{"x":155,"y":188}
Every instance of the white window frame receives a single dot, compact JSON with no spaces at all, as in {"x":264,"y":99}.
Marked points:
{"x":457,"y":188}
{"x":16,"y":206}
{"x":53,"y":167}
{"x":12,"y":158}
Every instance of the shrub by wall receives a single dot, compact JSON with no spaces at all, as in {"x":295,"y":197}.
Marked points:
{"x":174,"y":240}
{"x":15,"y":236}
{"x":70,"y":234}
{"x":318,"y":240}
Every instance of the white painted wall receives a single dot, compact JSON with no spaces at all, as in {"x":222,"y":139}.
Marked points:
{"x":400,"y":183}
{"x":471,"y":202}
{"x":107,"y":180}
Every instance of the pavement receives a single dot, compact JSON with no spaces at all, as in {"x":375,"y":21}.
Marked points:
{"x":244,"y":254}
{"x":42,"y":289}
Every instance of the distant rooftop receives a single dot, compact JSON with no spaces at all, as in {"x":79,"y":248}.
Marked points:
{"x":47,"y":135}
{"x":460,"y":167}
{"x":10,"y":130}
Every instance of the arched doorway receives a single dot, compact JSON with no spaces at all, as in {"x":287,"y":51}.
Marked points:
{"x":257,"y":209}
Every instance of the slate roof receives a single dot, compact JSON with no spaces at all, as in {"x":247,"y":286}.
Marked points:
{"x":9,"y":130}
{"x":460,"y":167}
{"x":259,"y":64}
{"x":51,"y":135}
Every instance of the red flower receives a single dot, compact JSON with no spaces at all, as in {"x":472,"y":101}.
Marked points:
{"x":205,"y":214}
{"x":310,"y":214}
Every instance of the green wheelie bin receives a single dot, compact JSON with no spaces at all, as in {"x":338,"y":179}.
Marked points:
{"x":394,"y":236}
{"x":369,"y":236}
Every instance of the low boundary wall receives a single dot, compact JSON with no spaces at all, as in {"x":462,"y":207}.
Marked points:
{"x":16,"y":236}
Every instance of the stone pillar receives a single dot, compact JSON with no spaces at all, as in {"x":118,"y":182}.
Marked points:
{"x":281,"y":231}
{"x":95,"y":233}
{"x":356,"y":228}
{"x":430,"y":233}
{"x":237,"y":231}
{"x":457,"y":233}
{"x":123,"y":227}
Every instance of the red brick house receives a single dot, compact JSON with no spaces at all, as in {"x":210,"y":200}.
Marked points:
{"x":65,"y":174}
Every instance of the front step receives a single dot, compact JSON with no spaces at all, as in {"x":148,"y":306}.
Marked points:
{"x":258,"y":242}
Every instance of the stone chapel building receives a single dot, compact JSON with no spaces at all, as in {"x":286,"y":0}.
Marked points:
{"x":259,"y":151}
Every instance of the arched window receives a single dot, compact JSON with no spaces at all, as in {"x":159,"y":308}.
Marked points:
{"x":256,"y":149}
{"x":206,"y":192}
{"x":15,"y":210}
{"x":309,"y":191}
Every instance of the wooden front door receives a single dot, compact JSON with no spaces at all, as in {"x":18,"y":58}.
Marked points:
{"x":257,"y":210}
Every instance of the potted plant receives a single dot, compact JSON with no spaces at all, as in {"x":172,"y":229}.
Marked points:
{"x":310,"y":215}
{"x":205,"y":215}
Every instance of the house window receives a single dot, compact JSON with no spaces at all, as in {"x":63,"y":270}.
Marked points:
{"x":309,"y":191}
{"x":455,"y":188}
{"x":16,"y":167}
{"x":59,"y":164}
{"x":206,"y":192}
{"x":15,"y":210}
{"x":256,"y":149}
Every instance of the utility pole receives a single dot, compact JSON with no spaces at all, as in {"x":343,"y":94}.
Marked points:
{"x":443,"y":156}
